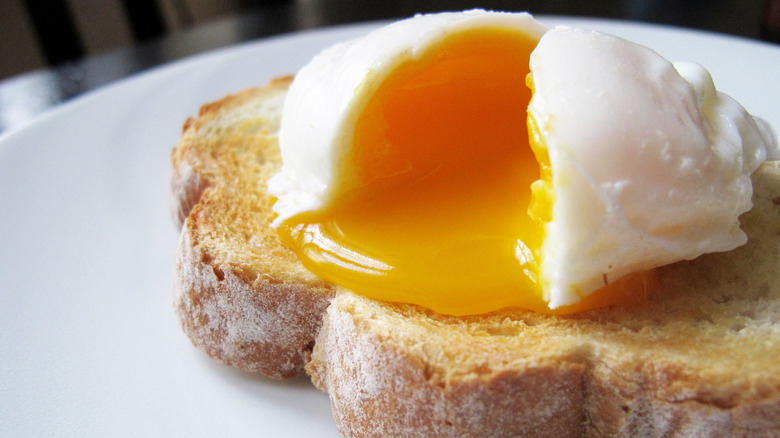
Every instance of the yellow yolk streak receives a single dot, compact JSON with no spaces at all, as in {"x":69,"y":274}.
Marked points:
{"x":445,"y":169}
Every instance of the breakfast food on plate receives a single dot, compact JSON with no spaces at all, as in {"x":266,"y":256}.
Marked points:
{"x":465,"y":224}
{"x":404,"y":190}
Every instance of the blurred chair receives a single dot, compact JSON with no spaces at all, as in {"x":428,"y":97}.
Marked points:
{"x":60,"y":39}
{"x":770,"y":27}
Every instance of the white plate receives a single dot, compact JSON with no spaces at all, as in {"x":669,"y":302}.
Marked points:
{"x":89,"y":345}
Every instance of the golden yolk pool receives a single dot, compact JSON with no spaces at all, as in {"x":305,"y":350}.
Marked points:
{"x":445,"y":169}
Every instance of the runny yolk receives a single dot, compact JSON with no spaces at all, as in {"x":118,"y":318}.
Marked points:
{"x":440,"y":217}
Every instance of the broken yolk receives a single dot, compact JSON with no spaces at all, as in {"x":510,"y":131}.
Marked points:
{"x":444,"y":167}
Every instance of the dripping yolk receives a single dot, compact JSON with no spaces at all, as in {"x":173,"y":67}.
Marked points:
{"x":444,"y":215}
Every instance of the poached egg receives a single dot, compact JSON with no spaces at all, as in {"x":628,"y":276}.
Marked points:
{"x":472,"y":161}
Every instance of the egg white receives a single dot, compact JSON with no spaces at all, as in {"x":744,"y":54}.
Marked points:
{"x":649,"y":166}
{"x":328,"y":94}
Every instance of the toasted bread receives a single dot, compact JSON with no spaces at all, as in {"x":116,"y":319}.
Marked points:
{"x":241,"y":297}
{"x":698,"y":358}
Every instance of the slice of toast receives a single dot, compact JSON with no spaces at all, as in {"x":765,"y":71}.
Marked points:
{"x":240,"y":296}
{"x":699,"y":358}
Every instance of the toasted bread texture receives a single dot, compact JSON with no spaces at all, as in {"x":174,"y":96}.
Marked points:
{"x":701,"y":357}
{"x":240,"y":295}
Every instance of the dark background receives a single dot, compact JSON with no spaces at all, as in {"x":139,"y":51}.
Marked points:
{"x":53,"y":50}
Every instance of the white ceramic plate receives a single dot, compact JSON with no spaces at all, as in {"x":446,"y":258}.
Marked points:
{"x":89,"y":345}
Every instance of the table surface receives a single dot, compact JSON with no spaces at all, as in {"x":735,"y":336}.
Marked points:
{"x":26,"y":96}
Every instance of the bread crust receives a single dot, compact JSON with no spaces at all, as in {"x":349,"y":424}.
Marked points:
{"x":240,"y":296}
{"x":251,"y":323}
{"x":380,"y":388}
{"x":699,"y":358}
